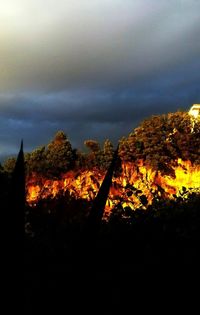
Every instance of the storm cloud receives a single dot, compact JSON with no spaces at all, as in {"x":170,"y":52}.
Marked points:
{"x":93,"y":68}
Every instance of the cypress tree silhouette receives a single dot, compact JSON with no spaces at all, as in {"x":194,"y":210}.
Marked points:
{"x":17,"y":198}
{"x":86,"y":247}
{"x":97,"y":211}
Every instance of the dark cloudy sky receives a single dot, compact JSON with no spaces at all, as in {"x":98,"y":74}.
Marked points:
{"x":93,"y":68}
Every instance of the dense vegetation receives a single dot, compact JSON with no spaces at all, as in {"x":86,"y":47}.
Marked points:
{"x":167,"y":230}
{"x":161,"y":140}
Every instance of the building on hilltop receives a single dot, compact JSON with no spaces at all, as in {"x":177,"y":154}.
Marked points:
{"x":195,"y":110}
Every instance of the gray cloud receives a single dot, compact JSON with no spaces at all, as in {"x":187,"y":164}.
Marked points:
{"x":92,"y":113}
{"x":61,"y":44}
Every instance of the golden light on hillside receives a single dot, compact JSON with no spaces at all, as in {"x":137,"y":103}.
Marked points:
{"x":135,"y":183}
{"x":160,"y":159}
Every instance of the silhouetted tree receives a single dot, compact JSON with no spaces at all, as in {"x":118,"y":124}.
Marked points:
{"x":17,"y":198}
{"x":4,"y":187}
{"x":96,"y":213}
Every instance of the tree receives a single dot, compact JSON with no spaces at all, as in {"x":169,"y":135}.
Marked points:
{"x":1,"y":168}
{"x":92,"y":145}
{"x":36,"y":161}
{"x":59,"y":155}
{"x":9,"y":165}
{"x":94,"y":156}
{"x":4,"y":187}
{"x":161,"y":140}
{"x":80,"y":159}
{"x":108,"y":152}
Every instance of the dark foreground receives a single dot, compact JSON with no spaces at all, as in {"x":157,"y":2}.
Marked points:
{"x":71,"y":270}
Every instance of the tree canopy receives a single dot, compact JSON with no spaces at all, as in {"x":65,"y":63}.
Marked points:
{"x":163,"y":139}
{"x":158,"y":141}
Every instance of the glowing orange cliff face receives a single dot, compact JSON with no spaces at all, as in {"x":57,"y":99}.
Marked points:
{"x":135,"y":187}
